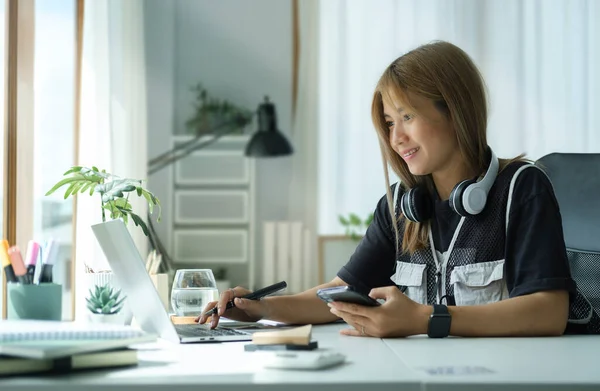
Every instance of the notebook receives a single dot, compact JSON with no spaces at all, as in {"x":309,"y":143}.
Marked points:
{"x":111,"y":358}
{"x":53,"y":339}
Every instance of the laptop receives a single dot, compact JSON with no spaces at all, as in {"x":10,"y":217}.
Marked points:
{"x":130,"y":272}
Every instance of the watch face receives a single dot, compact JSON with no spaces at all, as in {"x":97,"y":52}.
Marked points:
{"x":439,"y":322}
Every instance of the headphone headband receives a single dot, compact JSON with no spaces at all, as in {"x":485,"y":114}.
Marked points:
{"x":490,"y":175}
{"x":474,"y":196}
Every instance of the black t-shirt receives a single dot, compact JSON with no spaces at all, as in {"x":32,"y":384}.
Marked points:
{"x":534,"y":242}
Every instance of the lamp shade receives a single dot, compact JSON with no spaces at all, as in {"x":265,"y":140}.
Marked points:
{"x":268,"y":141}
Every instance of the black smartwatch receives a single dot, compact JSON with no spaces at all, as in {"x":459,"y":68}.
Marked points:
{"x":439,"y":322}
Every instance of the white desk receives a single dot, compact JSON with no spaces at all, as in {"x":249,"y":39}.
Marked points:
{"x":564,"y":363}
{"x":559,"y":363}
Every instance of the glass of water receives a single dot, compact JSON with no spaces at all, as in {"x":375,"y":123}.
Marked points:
{"x":192,"y":290}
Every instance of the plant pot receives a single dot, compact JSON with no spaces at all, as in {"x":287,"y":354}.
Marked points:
{"x":103,"y":278}
{"x":107,"y":318}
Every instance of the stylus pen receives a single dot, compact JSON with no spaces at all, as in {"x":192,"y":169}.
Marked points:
{"x":256,"y":295}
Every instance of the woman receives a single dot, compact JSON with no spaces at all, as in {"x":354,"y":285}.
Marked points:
{"x":485,"y":257}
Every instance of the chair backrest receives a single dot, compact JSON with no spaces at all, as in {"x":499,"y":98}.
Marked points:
{"x":576,"y":181}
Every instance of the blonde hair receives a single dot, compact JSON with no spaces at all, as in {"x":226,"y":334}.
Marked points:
{"x":445,"y":74}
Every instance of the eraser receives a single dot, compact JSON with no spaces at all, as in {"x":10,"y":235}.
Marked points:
{"x":284,"y":346}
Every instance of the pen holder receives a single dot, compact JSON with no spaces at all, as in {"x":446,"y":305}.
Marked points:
{"x":33,"y":301}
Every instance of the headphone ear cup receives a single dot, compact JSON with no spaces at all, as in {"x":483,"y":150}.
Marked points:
{"x":416,"y":205}
{"x":456,"y":197}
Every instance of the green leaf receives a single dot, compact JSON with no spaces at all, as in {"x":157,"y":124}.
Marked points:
{"x":119,"y":303}
{"x":77,"y":187}
{"x":69,"y":190}
{"x":116,"y":188}
{"x":104,"y":296}
{"x":139,"y":191}
{"x":95,"y":302}
{"x":152,"y":200}
{"x":85,"y":187}
{"x":110,"y":304}
{"x":116,"y":295}
{"x":92,"y":309}
{"x":63,"y":182}
{"x":72,"y":170}
{"x":343,"y":220}
{"x":354,"y":219}
{"x":138,"y":221}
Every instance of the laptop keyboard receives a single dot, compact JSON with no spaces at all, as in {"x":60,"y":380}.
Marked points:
{"x":191,"y":330}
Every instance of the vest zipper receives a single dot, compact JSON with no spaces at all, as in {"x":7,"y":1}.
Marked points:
{"x":442,"y":268}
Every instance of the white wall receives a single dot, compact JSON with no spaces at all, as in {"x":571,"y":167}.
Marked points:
{"x":240,"y":50}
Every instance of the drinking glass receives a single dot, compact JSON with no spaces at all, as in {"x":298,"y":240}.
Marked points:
{"x":192,"y":290}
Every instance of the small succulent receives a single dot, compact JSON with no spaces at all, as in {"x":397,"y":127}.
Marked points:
{"x":104,"y":300}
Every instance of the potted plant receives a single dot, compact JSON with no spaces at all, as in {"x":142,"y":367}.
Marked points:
{"x":214,"y":115}
{"x":355,"y":226}
{"x":114,"y":193}
{"x":105,"y":305}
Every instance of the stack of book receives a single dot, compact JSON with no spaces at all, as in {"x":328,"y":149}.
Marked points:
{"x":49,"y":346}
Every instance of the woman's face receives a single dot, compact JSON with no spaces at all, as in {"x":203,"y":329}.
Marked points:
{"x":425,"y":141}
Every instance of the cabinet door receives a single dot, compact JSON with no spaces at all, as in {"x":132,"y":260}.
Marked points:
{"x":213,"y":168}
{"x":211,"y":246}
{"x":211,"y":207}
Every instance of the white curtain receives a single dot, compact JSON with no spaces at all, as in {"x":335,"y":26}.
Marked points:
{"x":540,"y":60}
{"x":303,"y":188}
{"x":113,"y":118}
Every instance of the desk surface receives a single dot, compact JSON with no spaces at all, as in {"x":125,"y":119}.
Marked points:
{"x":417,"y":363}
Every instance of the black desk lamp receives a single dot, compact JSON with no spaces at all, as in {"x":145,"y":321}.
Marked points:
{"x":268,"y":140}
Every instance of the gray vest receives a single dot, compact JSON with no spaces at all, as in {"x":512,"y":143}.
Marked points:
{"x":472,"y":270}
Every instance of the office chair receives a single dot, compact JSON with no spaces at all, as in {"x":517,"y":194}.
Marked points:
{"x":576,"y":181}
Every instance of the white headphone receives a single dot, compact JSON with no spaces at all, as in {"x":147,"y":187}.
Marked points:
{"x":468,"y":198}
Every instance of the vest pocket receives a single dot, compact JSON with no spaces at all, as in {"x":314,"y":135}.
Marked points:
{"x":411,"y":279}
{"x":478,"y":283}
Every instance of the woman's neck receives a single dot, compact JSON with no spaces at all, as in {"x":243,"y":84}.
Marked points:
{"x":445,"y":180}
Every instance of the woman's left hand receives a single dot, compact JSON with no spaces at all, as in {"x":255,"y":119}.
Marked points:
{"x":399,"y":316}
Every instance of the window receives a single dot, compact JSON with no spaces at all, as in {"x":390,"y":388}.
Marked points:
{"x":54,"y":123}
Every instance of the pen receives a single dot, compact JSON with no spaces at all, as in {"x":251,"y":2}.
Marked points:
{"x":48,"y":258}
{"x":16,"y":259}
{"x":31,"y":258}
{"x":6,"y":265}
{"x":256,"y":295}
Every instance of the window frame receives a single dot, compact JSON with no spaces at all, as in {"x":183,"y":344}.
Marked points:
{"x":19,"y":127}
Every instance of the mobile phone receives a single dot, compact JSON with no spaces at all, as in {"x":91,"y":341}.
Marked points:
{"x":346,"y":294}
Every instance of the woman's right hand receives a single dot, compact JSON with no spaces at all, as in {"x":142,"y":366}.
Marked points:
{"x":245,"y":310}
